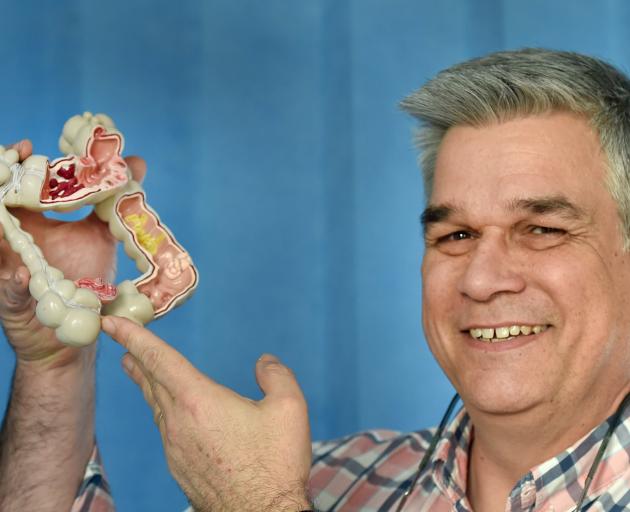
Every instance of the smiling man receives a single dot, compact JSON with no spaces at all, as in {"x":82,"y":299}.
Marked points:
{"x":526,"y":291}
{"x":526,"y":301}
{"x":526,"y":295}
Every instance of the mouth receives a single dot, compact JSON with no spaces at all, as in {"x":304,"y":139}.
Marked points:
{"x":505,"y":333}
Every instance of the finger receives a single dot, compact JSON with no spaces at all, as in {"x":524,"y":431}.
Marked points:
{"x":161,"y":361}
{"x":18,"y":287}
{"x":9,"y":259}
{"x":24,"y":148}
{"x":275,"y":379}
{"x":156,"y":397}
{"x":138,"y":167}
{"x":16,"y":295}
{"x":155,"y":391}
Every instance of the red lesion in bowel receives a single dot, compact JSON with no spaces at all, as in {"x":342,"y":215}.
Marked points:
{"x":104,"y":290}
{"x":64,"y":183}
{"x":172,"y":275}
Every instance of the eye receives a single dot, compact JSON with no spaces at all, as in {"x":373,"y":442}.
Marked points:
{"x":455,"y":236}
{"x":543,"y":237}
{"x":453,"y":243}
{"x":546,"y":230}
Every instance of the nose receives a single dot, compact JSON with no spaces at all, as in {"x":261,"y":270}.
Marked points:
{"x":490,"y":270}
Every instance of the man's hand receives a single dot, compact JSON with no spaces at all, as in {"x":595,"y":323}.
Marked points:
{"x":83,"y":248}
{"x":227,"y":452}
{"x":47,"y":435}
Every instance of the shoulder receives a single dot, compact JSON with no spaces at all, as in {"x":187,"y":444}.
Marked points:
{"x":372,"y":461}
{"x":371,"y":443}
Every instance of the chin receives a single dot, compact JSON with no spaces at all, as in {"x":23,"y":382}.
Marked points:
{"x":494,"y":398}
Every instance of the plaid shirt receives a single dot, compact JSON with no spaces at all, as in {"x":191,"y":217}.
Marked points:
{"x":371,"y":471}
{"x":94,"y":494}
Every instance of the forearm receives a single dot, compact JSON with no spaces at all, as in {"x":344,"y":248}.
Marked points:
{"x":48,"y":434}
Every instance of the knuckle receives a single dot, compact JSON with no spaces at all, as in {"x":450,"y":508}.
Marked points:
{"x":129,"y":336}
{"x":191,"y":405}
{"x":170,"y":432}
{"x":291,"y":404}
{"x":150,"y":359}
{"x":128,"y":333}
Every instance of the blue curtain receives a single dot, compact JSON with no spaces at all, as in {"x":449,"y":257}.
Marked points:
{"x":279,"y":158}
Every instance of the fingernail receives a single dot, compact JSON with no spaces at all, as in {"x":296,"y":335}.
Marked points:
{"x":108,"y":325}
{"x":268,"y":358}
{"x":16,"y":277}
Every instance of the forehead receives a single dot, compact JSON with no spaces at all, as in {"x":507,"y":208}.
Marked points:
{"x":551,"y":154}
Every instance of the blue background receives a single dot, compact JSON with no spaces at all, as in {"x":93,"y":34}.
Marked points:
{"x":279,"y":158}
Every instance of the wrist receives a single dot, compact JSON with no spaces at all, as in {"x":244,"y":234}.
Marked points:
{"x":288,"y":501}
{"x":63,"y":359}
{"x":296,"y":501}
{"x":50,"y":400}
{"x":49,"y":421}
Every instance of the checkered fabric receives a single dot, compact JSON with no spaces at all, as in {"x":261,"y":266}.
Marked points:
{"x":371,"y":471}
{"x":94,"y":494}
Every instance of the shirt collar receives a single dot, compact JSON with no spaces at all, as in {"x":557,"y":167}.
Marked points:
{"x":568,"y":470}
{"x":450,"y":460}
{"x":565,"y":472}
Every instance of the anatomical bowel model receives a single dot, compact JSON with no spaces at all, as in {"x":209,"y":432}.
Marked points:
{"x":93,"y":173}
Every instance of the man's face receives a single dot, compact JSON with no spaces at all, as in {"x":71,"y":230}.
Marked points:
{"x":522,"y":236}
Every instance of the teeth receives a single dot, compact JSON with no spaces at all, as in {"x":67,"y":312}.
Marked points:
{"x":487,"y":333}
{"x":502,"y":332}
{"x":505,"y":333}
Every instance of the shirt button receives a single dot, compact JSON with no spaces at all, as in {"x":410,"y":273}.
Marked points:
{"x":528,"y":496}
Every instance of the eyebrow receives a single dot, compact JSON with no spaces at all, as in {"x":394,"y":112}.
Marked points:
{"x":434,"y":214}
{"x":545,"y":205}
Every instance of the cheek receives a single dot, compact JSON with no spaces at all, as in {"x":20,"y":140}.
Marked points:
{"x":439,"y":288}
{"x":583,"y":294}
{"x":440,"y":301}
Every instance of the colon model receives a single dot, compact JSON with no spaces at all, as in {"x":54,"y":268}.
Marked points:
{"x":93,"y":172}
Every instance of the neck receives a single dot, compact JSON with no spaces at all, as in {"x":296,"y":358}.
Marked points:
{"x":507,"y":446}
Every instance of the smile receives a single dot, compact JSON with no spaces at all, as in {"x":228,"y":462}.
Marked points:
{"x":506,"y":333}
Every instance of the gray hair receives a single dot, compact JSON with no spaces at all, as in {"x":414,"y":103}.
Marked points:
{"x":505,"y":85}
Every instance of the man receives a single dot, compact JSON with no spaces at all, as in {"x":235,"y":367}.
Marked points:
{"x":525,"y":293}
{"x":526,"y":285}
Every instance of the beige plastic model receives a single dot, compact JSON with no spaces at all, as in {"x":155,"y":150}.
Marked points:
{"x":93,"y":172}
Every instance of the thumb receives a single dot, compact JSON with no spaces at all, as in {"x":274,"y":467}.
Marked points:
{"x":24,"y":148}
{"x":275,"y":379}
{"x":138,"y":167}
{"x":15,"y":290}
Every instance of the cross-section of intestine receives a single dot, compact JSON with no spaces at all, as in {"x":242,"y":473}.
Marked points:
{"x":172,"y":274}
{"x":93,"y":172}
